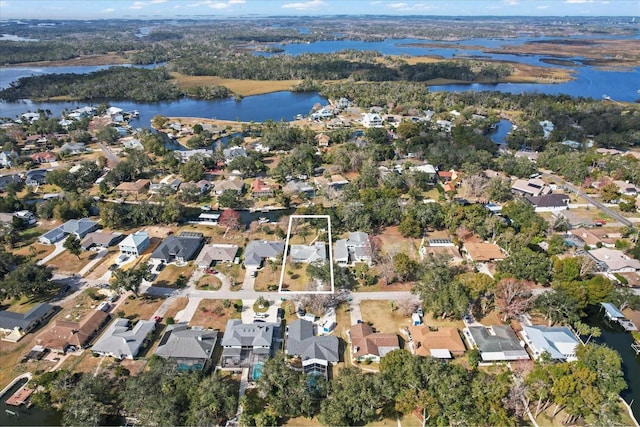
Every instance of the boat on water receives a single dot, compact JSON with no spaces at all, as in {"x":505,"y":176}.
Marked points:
{"x":263,"y":220}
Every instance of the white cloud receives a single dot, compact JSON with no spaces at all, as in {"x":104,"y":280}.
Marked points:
{"x":311,"y":4}
{"x":375,"y":2}
{"x":108,"y":10}
{"x":398,"y":5}
{"x":157,"y":1}
{"x":138,"y":5}
{"x":511,"y":2}
{"x":237,"y":2}
{"x":543,"y":7}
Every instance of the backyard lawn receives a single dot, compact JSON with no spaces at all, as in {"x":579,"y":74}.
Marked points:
{"x":35,"y":250}
{"x":234,"y":272}
{"x":171,"y":274}
{"x":212,"y":313}
{"x":394,"y":243}
{"x":139,"y":308}
{"x":71,"y":264}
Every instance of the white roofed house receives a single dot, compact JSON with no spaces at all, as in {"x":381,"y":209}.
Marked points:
{"x":557,"y":341}
{"x":613,"y":261}
{"x":307,"y":254}
{"x":244,"y":345}
{"x":259,"y":250}
{"x":356,"y":248}
{"x":135,"y":244}
{"x":121,"y":342}
{"x":531,"y":187}
{"x":372,"y":120}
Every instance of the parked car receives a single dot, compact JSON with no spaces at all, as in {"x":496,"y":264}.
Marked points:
{"x":160,"y":267}
{"x":104,"y":306}
{"x":113,"y":298}
{"x":210,"y":271}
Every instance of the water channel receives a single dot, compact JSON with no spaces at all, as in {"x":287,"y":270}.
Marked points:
{"x":23,"y":416}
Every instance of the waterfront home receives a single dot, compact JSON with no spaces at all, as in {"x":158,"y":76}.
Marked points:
{"x":121,"y":342}
{"x":179,"y":249}
{"x":236,"y":185}
{"x":260,"y":188}
{"x":483,"y":252}
{"x":245,"y":345}
{"x":231,"y":153}
{"x":367,"y":345}
{"x":557,"y":341}
{"x":496,"y":343}
{"x":300,"y":187}
{"x":259,"y":250}
{"x":441,"y":342}
{"x":13,"y":326}
{"x":317,"y":353}
{"x":308,"y":254}
{"x":216,"y":253}
{"x":66,"y":335}
{"x":189,"y":348}
{"x":134,"y":244}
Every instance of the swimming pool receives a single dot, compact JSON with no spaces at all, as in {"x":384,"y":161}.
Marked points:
{"x":257,"y":370}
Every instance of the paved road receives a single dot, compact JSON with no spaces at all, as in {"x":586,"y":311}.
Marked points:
{"x":111,"y":157}
{"x":621,"y":219}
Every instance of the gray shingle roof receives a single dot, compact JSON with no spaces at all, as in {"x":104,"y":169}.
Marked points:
{"x":11,"y":320}
{"x":303,"y":343}
{"x":177,"y":247}
{"x":120,"y":341}
{"x":181,"y":342}
{"x":79,"y":226}
{"x":238,"y":334}
{"x":257,"y":250}
{"x":503,"y":340}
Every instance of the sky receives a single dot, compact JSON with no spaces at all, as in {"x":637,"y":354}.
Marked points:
{"x":146,"y":9}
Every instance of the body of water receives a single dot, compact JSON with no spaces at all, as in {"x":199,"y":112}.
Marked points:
{"x":503,"y":128}
{"x":24,"y":416}
{"x":619,"y":340}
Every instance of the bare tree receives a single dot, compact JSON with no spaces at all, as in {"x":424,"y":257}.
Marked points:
{"x":513,"y":297}
{"x":407,"y":307}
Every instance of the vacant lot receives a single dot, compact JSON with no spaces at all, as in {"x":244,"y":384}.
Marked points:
{"x":67,"y":263}
{"x":171,"y":274}
{"x":77,"y":308}
{"x":36,"y":251}
{"x":210,"y":282}
{"x":11,"y":355}
{"x":384,"y":316}
{"x":178,"y":305}
{"x":139,"y":308}
{"x":212,"y":313}
{"x":394,"y":243}
{"x":266,"y":277}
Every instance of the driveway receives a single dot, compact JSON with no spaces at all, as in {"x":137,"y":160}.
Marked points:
{"x":93,"y":262}
{"x":248,"y":315}
{"x":188,"y":312}
{"x":59,"y":248}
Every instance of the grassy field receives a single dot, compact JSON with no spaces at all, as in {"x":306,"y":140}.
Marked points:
{"x":36,"y":251}
{"x":11,"y":355}
{"x":266,"y":277}
{"x":382,"y":316}
{"x":393,"y":242}
{"x":171,"y":273}
{"x":77,"y":308}
{"x":211,"y":313}
{"x":209,"y":282}
{"x":67,"y":263}
{"x":139,"y":308}
{"x":241,"y":87}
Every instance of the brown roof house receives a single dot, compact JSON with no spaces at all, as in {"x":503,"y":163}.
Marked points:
{"x":483,"y":252}
{"x":442,"y":343}
{"x":216,"y":252}
{"x":100,"y":239}
{"x":367,"y":345}
{"x":70,"y":336}
{"x":259,"y":188}
{"x":138,"y":187}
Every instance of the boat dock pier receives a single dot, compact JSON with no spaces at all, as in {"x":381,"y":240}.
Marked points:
{"x":612,"y":313}
{"x":20,"y":396}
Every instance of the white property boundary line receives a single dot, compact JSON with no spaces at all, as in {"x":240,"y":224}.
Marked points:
{"x":286,"y":248}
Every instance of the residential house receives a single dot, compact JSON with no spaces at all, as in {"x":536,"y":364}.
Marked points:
{"x":244,"y":345}
{"x":66,"y":335}
{"x":323,"y":113}
{"x":372,"y":120}
{"x":231,"y":153}
{"x":614,"y":261}
{"x":300,"y":187}
{"x":43,"y":157}
{"x":121,"y":342}
{"x":496,"y":343}
{"x":626,"y":188}
{"x":549,"y":202}
{"x":547,"y":128}
{"x":323,"y":140}
{"x":444,"y":125}
{"x":52,"y":236}
{"x":9,"y":179}
{"x":135,"y":244}
{"x":334,"y":182}
{"x":7,"y":158}
{"x":259,"y":250}
{"x":216,"y":253}
{"x":179,"y":249}
{"x":588,"y":237}
{"x":483,"y":252}
{"x":442,"y":343}
{"x":531,"y":187}
{"x":204,"y":186}
{"x":425,"y":168}
{"x":317,"y":353}
{"x":190,"y":348}
{"x":73,"y":148}
{"x":355,"y":248}
{"x":260,"y":188}
{"x":79,"y":227}
{"x":26,"y":216}
{"x":308,"y":254}
{"x":343,"y":103}
{"x":557,"y":341}
{"x":228,"y":184}
{"x":14,"y":326}
{"x":36,"y":177}
{"x":101,"y":239}
{"x":365,"y":344}
{"x":134,"y":188}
